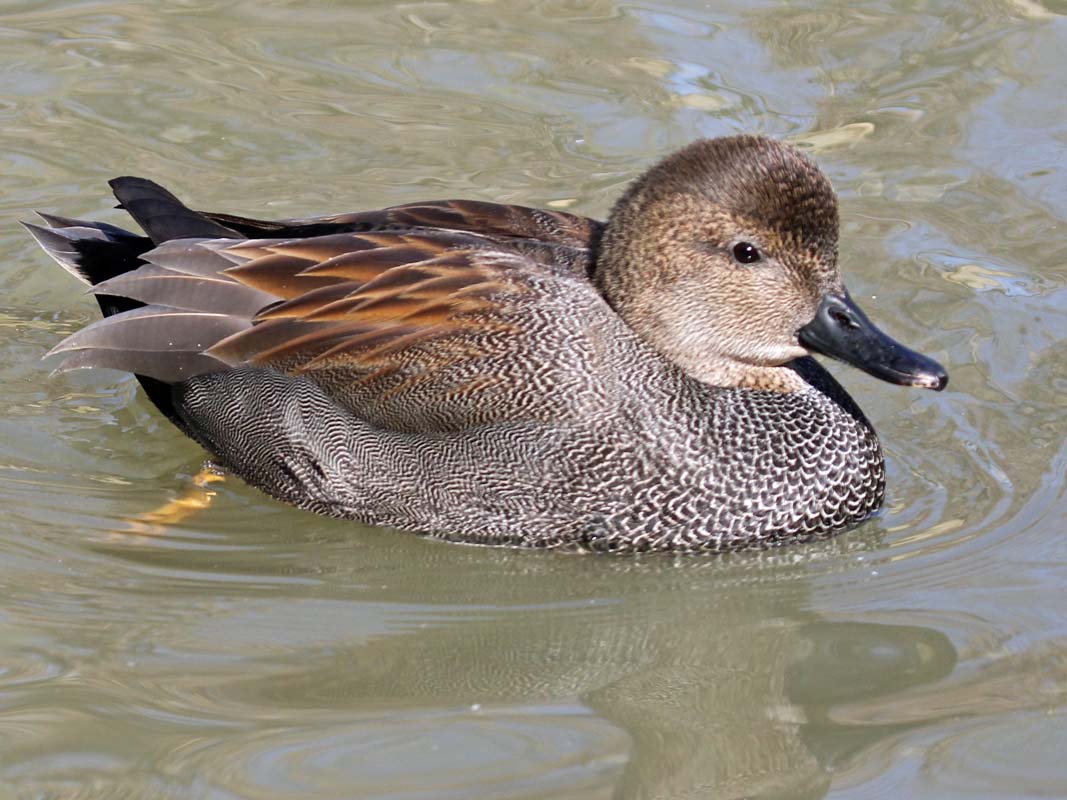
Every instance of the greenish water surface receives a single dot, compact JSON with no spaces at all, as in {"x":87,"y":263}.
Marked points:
{"x":254,"y":651}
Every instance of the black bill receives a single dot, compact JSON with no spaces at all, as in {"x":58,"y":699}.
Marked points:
{"x":841,"y":330}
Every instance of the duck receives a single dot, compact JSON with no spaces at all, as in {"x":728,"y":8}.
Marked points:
{"x":507,"y":375}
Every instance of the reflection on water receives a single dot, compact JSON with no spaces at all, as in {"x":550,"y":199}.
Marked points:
{"x":257,"y":651}
{"x":431,"y":671}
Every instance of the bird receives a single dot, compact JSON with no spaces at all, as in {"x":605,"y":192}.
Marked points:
{"x":500,"y":374}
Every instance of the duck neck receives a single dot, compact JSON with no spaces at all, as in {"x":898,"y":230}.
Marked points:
{"x":668,"y":334}
{"x":665,"y":316}
{"x":736,"y":375}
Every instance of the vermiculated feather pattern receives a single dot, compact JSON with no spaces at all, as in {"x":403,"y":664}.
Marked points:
{"x":504,"y":375}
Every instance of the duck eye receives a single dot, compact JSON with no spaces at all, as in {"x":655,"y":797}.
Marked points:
{"x":746,"y":253}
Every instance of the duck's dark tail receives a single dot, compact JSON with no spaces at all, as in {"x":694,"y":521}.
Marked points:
{"x":162,"y":215}
{"x":94,"y":252}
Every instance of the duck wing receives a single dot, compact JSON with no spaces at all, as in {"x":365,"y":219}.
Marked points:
{"x":416,"y":329}
{"x":488,"y":219}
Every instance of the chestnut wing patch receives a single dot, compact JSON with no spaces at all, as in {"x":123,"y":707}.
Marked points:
{"x":415,"y":329}
{"x":411,"y":330}
{"x":360,"y":305}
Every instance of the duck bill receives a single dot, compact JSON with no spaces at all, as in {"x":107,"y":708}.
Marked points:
{"x":841,"y":330}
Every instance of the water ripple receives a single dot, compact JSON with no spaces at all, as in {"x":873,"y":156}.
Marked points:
{"x":485,"y":752}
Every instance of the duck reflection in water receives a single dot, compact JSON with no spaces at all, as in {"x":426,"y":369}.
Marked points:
{"x":652,"y":678}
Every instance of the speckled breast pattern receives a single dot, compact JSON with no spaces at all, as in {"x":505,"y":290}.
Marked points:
{"x":760,"y":467}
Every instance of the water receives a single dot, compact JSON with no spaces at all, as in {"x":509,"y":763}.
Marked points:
{"x":257,"y":651}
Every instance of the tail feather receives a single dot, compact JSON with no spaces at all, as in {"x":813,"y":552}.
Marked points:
{"x":162,"y":215}
{"x":95,"y":253}
{"x":90,"y":251}
{"x":63,"y":246}
{"x":113,"y":232}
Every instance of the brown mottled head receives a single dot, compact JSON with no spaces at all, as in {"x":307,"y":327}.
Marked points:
{"x":722,"y":253}
{"x":758,"y":182}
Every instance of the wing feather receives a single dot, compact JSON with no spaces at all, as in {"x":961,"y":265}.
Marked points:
{"x":215,"y":294}
{"x":411,"y":328}
{"x":487,"y":219}
{"x":419,"y":343}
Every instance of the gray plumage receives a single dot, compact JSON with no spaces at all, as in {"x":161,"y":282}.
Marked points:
{"x":762,"y":468}
{"x":494,"y":374}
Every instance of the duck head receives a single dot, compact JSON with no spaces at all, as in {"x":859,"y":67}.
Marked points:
{"x":724,"y":257}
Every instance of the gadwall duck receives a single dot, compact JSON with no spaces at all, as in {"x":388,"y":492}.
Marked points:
{"x":498,"y":374}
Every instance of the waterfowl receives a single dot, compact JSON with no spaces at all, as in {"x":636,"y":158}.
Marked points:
{"x":499,"y":374}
